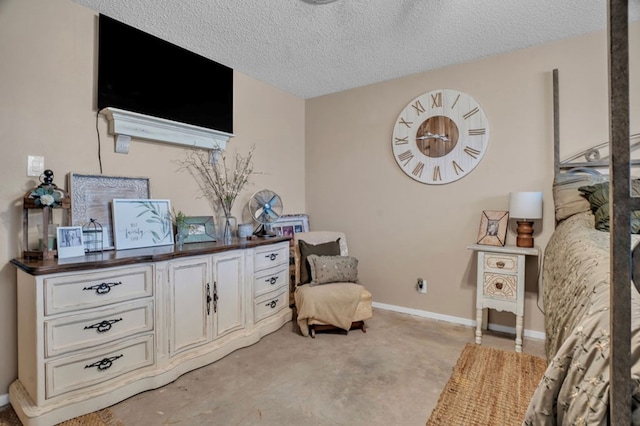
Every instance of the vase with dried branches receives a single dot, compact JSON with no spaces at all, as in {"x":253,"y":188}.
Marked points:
{"x":220,"y":180}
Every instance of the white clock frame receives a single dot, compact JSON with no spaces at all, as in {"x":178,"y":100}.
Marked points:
{"x":469,"y":148}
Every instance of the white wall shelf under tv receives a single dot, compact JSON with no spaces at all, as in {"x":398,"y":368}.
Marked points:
{"x":125,"y":125}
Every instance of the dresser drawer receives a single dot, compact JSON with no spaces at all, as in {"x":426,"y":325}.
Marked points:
{"x":89,"y":368}
{"x":501,"y":263}
{"x":90,"y":290}
{"x":270,"y":280}
{"x":270,"y":256}
{"x":270,"y":303}
{"x":499,"y":286}
{"x":82,"y":331}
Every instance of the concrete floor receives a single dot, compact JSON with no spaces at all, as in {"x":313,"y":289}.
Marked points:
{"x":392,"y":375}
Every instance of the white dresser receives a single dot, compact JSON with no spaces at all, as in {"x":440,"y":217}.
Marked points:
{"x":97,"y":331}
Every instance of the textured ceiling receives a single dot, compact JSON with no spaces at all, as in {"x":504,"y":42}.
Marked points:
{"x":311,"y":50}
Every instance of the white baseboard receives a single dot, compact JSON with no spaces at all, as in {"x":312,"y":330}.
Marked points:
{"x":4,"y":399}
{"x":456,"y":320}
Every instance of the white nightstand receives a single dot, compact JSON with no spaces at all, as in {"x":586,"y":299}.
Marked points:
{"x":501,"y":284}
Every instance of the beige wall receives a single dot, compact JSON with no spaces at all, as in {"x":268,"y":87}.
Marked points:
{"x":47,"y":107}
{"x":401,"y":229}
{"x":398,"y":228}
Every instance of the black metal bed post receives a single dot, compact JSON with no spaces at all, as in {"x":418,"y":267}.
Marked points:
{"x":556,"y":125}
{"x":620,"y":208}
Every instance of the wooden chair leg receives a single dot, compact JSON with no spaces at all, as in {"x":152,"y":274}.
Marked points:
{"x":360,"y":325}
{"x":354,"y":325}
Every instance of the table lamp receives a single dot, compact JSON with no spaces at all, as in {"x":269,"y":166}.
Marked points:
{"x":524,"y":207}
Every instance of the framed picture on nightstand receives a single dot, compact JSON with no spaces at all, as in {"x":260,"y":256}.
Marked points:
{"x":493,"y":227}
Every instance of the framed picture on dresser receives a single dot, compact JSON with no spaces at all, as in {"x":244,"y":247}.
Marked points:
{"x":199,"y":229}
{"x":142,"y":223}
{"x":91,"y":197}
{"x":290,"y":224}
{"x":70,"y":242}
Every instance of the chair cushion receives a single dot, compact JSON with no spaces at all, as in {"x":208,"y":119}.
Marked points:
{"x":331,"y":248}
{"x":332,"y":269}
{"x":334,"y":304}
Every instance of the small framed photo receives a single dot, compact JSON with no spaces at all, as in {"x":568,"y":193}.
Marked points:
{"x":70,"y":242}
{"x":290,"y":224}
{"x":142,"y":223}
{"x":200,"y":229}
{"x":493,"y":227}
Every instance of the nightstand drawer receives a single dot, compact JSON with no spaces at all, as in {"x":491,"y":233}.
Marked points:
{"x":500,"y":286}
{"x":270,"y":280}
{"x":501,"y":263}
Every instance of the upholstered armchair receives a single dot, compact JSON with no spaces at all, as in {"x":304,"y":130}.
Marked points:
{"x":328,"y":293}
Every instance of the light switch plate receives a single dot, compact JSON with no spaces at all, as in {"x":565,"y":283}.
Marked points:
{"x":35,"y":165}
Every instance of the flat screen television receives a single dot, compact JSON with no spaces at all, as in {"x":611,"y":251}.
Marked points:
{"x":142,"y":73}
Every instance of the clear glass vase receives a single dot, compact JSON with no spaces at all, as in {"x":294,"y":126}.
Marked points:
{"x":227,"y":226}
{"x":181,"y":234}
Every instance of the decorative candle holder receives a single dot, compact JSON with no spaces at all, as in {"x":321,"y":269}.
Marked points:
{"x":41,"y":201}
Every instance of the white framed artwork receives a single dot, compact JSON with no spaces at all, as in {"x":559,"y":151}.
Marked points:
{"x":141,"y":223}
{"x":91,"y":197}
{"x":70,"y":242}
{"x":290,"y":224}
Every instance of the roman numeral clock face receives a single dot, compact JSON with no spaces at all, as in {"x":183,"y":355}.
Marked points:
{"x":440,"y":136}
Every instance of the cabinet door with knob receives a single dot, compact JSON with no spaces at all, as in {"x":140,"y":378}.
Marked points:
{"x":229,"y":292}
{"x":191,"y":307}
{"x":206,"y":299}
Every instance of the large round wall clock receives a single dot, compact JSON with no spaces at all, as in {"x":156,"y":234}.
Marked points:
{"x":440,"y":136}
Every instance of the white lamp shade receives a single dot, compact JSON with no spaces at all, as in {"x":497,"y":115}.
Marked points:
{"x":525,"y":205}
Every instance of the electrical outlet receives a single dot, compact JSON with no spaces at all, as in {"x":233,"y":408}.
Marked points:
{"x":422,"y":286}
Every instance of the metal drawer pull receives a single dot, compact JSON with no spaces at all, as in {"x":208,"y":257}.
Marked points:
{"x":271,"y":280}
{"x":104,"y":363}
{"x":500,"y":264}
{"x":102,"y":288}
{"x":272,"y":256}
{"x":499,"y":285}
{"x":272,"y":304}
{"x":103,"y":326}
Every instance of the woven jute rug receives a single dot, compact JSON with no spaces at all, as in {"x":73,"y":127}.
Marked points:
{"x":8,"y":417}
{"x":488,"y":387}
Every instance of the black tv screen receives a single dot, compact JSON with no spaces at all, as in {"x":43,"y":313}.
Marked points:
{"x":142,"y":73}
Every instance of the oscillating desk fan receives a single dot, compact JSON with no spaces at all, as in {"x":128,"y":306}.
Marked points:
{"x":265,"y":207}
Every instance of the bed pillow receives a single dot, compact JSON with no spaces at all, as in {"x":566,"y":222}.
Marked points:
{"x":332,"y":269}
{"x":331,"y":248}
{"x":598,"y":196}
{"x":567,"y":199}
